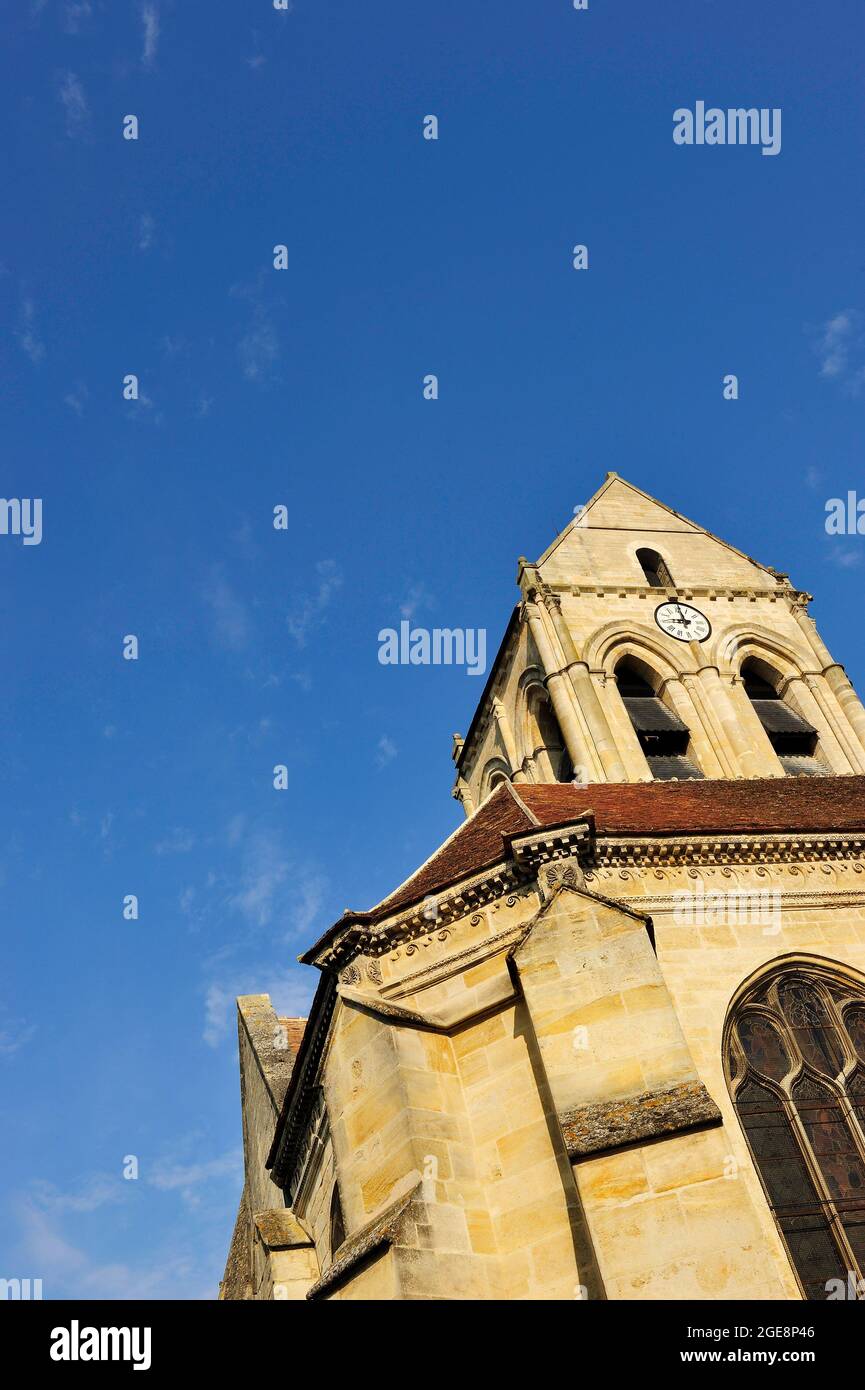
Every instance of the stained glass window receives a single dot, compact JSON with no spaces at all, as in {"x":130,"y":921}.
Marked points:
{"x":796,"y":1062}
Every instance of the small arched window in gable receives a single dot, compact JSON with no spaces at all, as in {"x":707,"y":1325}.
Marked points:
{"x":795,"y":1056}
{"x":664,"y":739}
{"x":792,"y":737}
{"x":655,"y":569}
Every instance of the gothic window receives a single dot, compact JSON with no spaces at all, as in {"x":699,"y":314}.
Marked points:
{"x":337,"y":1225}
{"x":663,"y":737}
{"x":791,"y":736}
{"x":795,"y":1055}
{"x":655,"y":569}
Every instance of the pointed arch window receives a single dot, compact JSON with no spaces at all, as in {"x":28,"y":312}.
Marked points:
{"x":792,"y":737}
{"x":655,"y":569}
{"x":795,"y":1061}
{"x":664,"y":739}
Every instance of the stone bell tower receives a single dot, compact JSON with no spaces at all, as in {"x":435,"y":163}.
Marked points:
{"x":608,"y":1040}
{"x":645,"y":648}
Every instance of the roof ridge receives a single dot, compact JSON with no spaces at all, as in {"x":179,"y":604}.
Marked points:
{"x":530,"y":815}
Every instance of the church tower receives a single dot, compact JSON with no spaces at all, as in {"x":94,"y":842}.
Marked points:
{"x":647,"y":649}
{"x":608,"y":1041}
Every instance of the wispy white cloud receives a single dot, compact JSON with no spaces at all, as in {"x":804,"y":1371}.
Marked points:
{"x":73,"y":1273}
{"x":150,"y":23}
{"x":100,"y":1190}
{"x":310,"y":609}
{"x":45,"y":1214}
{"x":73,"y":99}
{"x":290,"y":993}
{"x":230,"y":624}
{"x":418,"y":597}
{"x":27,"y":332}
{"x":834,"y":344}
{"x":77,"y":398}
{"x":265,"y":870}
{"x":15,"y":1033}
{"x":839,"y":348}
{"x":75,"y":14}
{"x":257,"y":60}
{"x":191,"y":1179}
{"x":258,"y":347}
{"x":146,"y":228}
{"x":386,"y":751}
{"x":846,"y":557}
{"x":177,"y":841}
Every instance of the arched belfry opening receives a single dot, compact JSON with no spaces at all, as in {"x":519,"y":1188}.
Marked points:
{"x":794,"y":740}
{"x":664,"y":739}
{"x":655,"y":569}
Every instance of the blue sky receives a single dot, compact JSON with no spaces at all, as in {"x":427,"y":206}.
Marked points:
{"x":303,"y":387}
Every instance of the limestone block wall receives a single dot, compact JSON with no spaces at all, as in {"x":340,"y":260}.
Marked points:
{"x":314,"y":1209}
{"x":265,"y":1069}
{"x":704,"y":963}
{"x":530,"y":1101}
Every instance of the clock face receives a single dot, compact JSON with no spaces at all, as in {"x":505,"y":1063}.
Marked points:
{"x":683,"y":622}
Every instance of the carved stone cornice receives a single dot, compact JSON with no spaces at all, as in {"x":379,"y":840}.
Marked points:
{"x":530,"y":849}
{"x":638,"y":851}
{"x":599,"y":589}
{"x":588,"y":853}
{"x":821,"y":898}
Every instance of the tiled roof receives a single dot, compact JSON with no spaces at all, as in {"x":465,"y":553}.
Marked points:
{"x":749,"y":806}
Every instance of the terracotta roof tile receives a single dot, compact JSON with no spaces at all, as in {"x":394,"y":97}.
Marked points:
{"x":669,"y":808}
{"x":476,"y":845}
{"x":638,"y":808}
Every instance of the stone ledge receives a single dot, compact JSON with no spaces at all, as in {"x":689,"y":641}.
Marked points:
{"x":612,"y":1124}
{"x":380,"y":1233}
{"x":280,"y":1229}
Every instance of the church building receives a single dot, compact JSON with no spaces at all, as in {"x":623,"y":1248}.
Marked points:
{"x":608,"y":1041}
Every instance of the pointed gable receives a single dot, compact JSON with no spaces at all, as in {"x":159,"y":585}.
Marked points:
{"x":588,"y":548}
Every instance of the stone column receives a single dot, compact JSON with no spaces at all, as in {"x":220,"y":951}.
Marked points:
{"x":711,"y":725}
{"x":849,"y":704}
{"x":836,"y":678}
{"x":633,"y":758}
{"x":806,"y":698}
{"x":683,"y":706}
{"x":597,"y":721}
{"x":557,"y":684}
{"x":508,"y":742}
{"x":734,"y":723}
